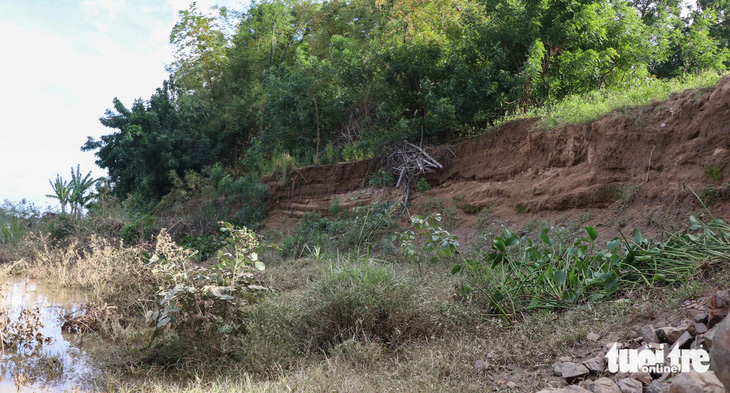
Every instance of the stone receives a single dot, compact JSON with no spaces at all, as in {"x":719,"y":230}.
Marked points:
{"x":649,"y":334}
{"x":700,"y":328}
{"x":630,"y":385}
{"x":701,"y":318}
{"x":716,"y":316}
{"x":605,"y":385}
{"x":593,"y":337}
{"x":721,"y":352}
{"x":657,"y":387}
{"x":511,"y":385}
{"x":572,"y":371}
{"x":564,"y":359}
{"x":669,"y":334}
{"x":596,"y":365}
{"x":709,"y":337}
{"x":694,"y":382}
{"x":683,"y":342}
{"x":557,"y":370}
{"x":644,"y":378}
{"x":567,"y":389}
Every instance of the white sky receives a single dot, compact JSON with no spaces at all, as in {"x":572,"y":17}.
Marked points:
{"x":61,"y":64}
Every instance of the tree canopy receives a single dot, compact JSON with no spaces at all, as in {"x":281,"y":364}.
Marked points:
{"x":333,"y":80}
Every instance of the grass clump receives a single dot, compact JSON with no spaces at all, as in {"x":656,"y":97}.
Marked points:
{"x":367,"y":302}
{"x":359,"y":228}
{"x":587,"y":107}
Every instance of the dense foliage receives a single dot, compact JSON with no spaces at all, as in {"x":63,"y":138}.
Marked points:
{"x":337,"y":80}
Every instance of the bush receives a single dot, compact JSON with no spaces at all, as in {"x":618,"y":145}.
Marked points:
{"x":205,"y":305}
{"x":423,"y":185}
{"x":358,"y":228}
{"x":381,"y":179}
{"x":368,"y":303}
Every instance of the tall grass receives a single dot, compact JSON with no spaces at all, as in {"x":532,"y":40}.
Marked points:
{"x":583,"y":108}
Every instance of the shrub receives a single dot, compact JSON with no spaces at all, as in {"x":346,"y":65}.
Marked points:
{"x":359,"y":228}
{"x":437,"y":242}
{"x":423,"y":185}
{"x":381,"y":179}
{"x":366,"y":302}
{"x":206,"y":304}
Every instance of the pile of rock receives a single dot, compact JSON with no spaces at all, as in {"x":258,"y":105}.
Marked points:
{"x":706,"y":328}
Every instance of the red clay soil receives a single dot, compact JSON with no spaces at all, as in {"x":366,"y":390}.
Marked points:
{"x":627,"y":169}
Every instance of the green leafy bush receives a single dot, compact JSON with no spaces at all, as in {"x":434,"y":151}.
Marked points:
{"x":437,"y":242}
{"x":206,"y":304}
{"x":423,"y":185}
{"x":381,"y":179}
{"x":520,"y":274}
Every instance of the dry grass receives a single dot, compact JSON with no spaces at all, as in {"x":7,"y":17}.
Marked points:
{"x":279,"y":355}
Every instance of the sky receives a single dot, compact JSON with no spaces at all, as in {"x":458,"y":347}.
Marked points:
{"x":62,"y":62}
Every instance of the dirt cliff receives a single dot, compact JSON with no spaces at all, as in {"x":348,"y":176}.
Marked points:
{"x":628,"y":168}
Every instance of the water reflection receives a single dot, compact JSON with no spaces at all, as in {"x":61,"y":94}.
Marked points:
{"x":58,"y":364}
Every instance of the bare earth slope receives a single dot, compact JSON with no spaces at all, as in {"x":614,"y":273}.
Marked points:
{"x":625,"y":169}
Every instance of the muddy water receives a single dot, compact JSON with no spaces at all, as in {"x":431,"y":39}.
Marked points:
{"x":60,"y":363}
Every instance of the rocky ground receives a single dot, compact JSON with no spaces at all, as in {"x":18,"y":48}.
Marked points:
{"x":702,"y":326}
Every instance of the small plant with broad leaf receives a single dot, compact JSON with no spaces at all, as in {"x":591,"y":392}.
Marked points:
{"x":436,"y":241}
{"x":207,"y":303}
{"x":520,"y":274}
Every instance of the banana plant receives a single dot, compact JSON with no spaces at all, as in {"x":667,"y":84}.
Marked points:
{"x":61,"y":191}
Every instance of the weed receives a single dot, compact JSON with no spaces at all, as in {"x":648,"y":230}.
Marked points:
{"x":712,"y":194}
{"x":381,"y":179}
{"x":548,"y":275}
{"x":466,"y":207}
{"x":450,"y":217}
{"x":714,"y":172}
{"x":422,"y":185}
{"x":483,"y":217}
{"x":520,"y":208}
{"x":437,"y":242}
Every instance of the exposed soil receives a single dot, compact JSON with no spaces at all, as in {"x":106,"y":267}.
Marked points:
{"x":627,"y":169}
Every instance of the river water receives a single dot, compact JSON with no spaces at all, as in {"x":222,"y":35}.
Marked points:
{"x":60,"y":363}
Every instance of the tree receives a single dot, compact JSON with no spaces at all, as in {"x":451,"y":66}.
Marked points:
{"x":149,"y":141}
{"x":74,"y":193}
{"x":61,"y":191}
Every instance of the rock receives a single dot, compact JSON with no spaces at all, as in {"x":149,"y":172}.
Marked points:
{"x":480,"y":365}
{"x":716,"y":316}
{"x":567,"y":389}
{"x":557,"y":369}
{"x":720,"y":299}
{"x":721,"y":352}
{"x":683,"y":342}
{"x":669,"y":334}
{"x":564,"y":359}
{"x":701,"y":318}
{"x":511,"y":385}
{"x":607,"y":347}
{"x":596,"y":365}
{"x":694,"y":382}
{"x":572,"y":371}
{"x":605,"y":385}
{"x":644,"y":378}
{"x":709,"y":337}
{"x":593,"y":337}
{"x":657,"y":387}
{"x":630,"y":385}
{"x":649,"y":334}
{"x":700,"y":328}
